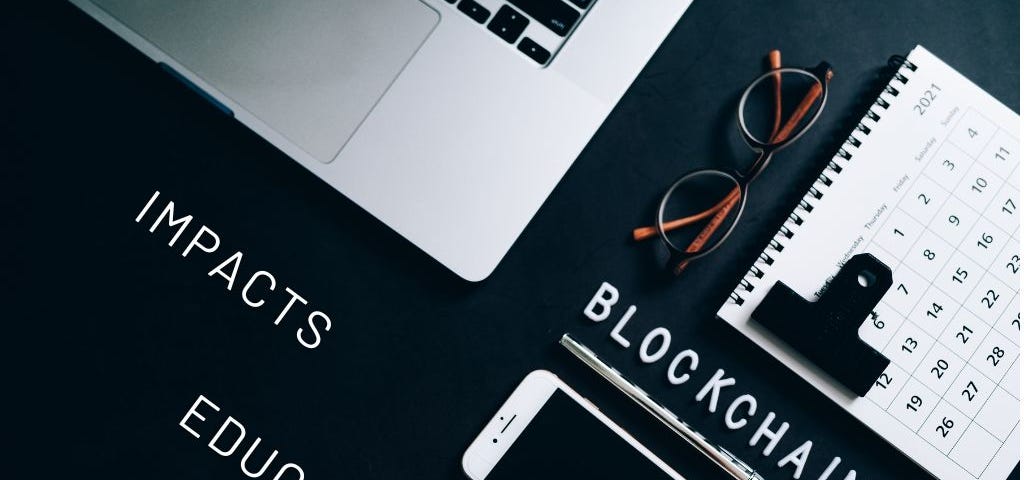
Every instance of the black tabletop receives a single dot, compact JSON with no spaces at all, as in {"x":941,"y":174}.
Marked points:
{"x":114,"y":334}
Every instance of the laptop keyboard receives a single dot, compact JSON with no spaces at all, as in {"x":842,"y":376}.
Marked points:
{"x":556,"y":15}
{"x":536,"y":28}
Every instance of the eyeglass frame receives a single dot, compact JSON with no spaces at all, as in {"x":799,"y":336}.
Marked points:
{"x":742,"y":181}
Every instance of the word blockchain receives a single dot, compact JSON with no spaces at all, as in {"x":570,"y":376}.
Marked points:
{"x":739,"y":413}
{"x":259,"y":289}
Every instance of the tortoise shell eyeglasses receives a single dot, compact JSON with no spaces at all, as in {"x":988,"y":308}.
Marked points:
{"x":701,"y":208}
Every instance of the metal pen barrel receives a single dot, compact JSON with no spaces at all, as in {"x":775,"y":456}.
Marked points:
{"x":722,"y":457}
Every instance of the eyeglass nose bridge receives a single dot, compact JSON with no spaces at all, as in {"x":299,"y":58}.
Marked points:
{"x":764,"y":156}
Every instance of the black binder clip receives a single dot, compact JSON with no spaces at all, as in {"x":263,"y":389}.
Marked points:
{"x":826,"y":331}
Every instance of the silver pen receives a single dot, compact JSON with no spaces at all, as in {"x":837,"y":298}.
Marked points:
{"x":727,"y":461}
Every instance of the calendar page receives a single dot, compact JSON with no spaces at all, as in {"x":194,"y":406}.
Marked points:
{"x":929,"y":184}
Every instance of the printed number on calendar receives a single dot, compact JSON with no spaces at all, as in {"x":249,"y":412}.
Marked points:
{"x":995,"y":356}
{"x":926,"y":99}
{"x":964,"y":334}
{"x":970,"y":391}
{"x":989,"y":300}
{"x":945,"y":426}
{"x":1009,"y":207}
{"x":915,"y":403}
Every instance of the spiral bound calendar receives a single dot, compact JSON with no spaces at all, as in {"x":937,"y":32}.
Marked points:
{"x":928,"y":183}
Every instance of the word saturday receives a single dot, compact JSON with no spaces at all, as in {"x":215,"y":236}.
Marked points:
{"x":739,"y":414}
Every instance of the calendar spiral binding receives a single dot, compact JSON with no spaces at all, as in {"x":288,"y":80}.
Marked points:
{"x":901,"y":68}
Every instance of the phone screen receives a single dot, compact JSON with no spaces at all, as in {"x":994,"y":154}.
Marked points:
{"x":564,"y":440}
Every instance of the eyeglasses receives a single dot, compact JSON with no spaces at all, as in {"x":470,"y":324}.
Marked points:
{"x":704,"y":206}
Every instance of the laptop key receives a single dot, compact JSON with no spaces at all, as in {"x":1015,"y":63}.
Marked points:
{"x":508,"y":24}
{"x":582,"y":4}
{"x":557,"y":15}
{"x":533,"y":50}
{"x":474,"y":10}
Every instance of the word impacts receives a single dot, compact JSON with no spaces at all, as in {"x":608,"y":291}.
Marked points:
{"x":230,"y":436}
{"x":258,"y":286}
{"x":740,"y":411}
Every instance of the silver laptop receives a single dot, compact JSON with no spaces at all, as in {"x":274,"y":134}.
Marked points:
{"x":449,"y":120}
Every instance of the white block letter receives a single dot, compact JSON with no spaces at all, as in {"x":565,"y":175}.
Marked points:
{"x":266,"y":464}
{"x":730,"y":422}
{"x":196,"y":243}
{"x":798,"y":458}
{"x":617,"y":331}
{"x":138,"y":218}
{"x":606,"y":296}
{"x":233,"y":260}
{"x":248,"y":285}
{"x":287,"y":307}
{"x":223,"y":427}
{"x":645,"y":345}
{"x":312,"y":328}
{"x":171,"y":221}
{"x":713,"y":386}
{"x":193,"y":412}
{"x":773,"y":437}
{"x":673,"y":377}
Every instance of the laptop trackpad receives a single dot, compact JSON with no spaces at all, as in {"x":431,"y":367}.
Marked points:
{"x":310,"y":69}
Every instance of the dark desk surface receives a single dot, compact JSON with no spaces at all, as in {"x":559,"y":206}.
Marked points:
{"x":116,"y":334}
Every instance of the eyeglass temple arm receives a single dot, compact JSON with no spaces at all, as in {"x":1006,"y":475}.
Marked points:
{"x":775,"y":63}
{"x":708,"y":230}
{"x":644,"y":233}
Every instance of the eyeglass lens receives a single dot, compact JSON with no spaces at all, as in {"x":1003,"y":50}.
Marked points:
{"x":779,"y":106}
{"x":711,"y":195}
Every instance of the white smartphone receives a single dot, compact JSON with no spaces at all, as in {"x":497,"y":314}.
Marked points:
{"x":546,"y":430}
